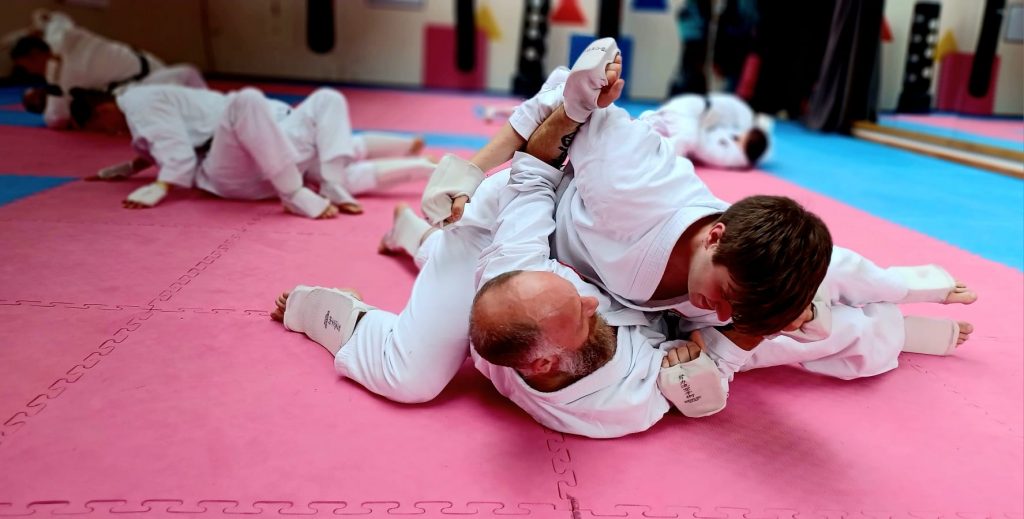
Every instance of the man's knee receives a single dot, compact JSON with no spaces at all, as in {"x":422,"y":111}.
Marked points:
{"x":328,"y":97}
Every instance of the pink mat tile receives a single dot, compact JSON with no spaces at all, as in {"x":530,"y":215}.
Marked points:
{"x":119,"y":265}
{"x":937,"y":434}
{"x":42,"y":152}
{"x":399,"y":110}
{"x":60,"y":337}
{"x":89,"y":203}
{"x":225,"y":408}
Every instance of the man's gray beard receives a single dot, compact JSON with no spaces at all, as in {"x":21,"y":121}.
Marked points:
{"x":595,"y":352}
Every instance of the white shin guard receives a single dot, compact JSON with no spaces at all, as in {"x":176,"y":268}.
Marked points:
{"x":926,"y":283}
{"x":930,"y":336}
{"x":148,"y":195}
{"x":326,"y":315}
{"x":371,"y":175}
{"x":407,"y":232}
{"x":587,"y":78}
{"x":453,"y":177}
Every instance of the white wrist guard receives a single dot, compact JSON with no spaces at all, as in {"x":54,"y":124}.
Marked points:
{"x":453,"y":177}
{"x":694,"y":387}
{"x":306,"y":203}
{"x":148,"y":195}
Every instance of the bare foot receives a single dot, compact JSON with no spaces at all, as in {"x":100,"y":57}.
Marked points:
{"x":386,"y":245}
{"x":417,"y":145}
{"x":966,"y":329}
{"x":280,"y":304}
{"x":961,"y":295}
{"x":350,"y":208}
{"x":128,"y":204}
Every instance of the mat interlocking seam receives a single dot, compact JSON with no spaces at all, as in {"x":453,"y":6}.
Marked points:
{"x":37,"y":404}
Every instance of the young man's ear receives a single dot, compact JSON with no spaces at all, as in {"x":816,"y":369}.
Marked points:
{"x":715,"y":234}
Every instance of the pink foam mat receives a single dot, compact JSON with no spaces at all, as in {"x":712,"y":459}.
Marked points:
{"x":403,"y":110}
{"x":1001,"y":129}
{"x":140,"y":375}
{"x":42,"y":152}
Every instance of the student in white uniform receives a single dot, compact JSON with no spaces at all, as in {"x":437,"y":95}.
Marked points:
{"x":69,"y":56}
{"x":671,"y":244}
{"x":718,"y":130}
{"x":242,"y":145}
{"x":604,"y":235}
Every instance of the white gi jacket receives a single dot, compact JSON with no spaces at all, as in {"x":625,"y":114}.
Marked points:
{"x":621,"y":397}
{"x":704,"y":128}
{"x":87,"y":60}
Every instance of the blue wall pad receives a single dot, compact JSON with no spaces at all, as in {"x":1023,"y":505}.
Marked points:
{"x":14,"y":187}
{"x":441,"y":140}
{"x":650,"y":5}
{"x":578,"y":42}
{"x":939,"y":131}
{"x":944,"y":200}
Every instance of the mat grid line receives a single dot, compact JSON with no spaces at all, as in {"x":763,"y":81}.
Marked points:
{"x":37,"y":404}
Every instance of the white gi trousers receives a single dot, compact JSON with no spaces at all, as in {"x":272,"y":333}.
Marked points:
{"x":261,"y":147}
{"x":411,"y":357}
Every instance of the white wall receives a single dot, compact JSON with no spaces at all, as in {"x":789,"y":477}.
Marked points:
{"x":963,"y":18}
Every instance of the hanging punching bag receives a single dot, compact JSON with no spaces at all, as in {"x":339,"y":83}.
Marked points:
{"x":984,"y":55}
{"x":320,"y":25}
{"x":465,"y":36}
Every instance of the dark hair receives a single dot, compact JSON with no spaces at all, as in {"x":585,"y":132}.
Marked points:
{"x":505,"y":342}
{"x":83,"y":101}
{"x":757,"y":143}
{"x":34,"y":100}
{"x":26,"y":45}
{"x":777,"y":254}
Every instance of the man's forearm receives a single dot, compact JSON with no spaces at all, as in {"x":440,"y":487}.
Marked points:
{"x":499,"y":149}
{"x":552,"y":140}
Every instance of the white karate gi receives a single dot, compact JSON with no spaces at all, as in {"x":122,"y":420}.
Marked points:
{"x":93,"y":62}
{"x":705,"y":128}
{"x":256,"y":140}
{"x":411,"y":357}
{"x":623,"y":211}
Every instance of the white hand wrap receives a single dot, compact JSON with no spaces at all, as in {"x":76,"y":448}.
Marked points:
{"x":926,"y":283}
{"x":306,"y":203}
{"x":326,"y":315}
{"x":453,"y":177}
{"x":694,"y":387}
{"x":148,"y":195}
{"x":587,"y":78}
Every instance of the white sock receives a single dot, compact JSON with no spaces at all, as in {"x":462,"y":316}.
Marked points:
{"x":370,"y":175}
{"x":326,"y":315}
{"x":930,"y":336}
{"x":407,"y":232}
{"x":379,"y":145}
{"x":587,"y":78}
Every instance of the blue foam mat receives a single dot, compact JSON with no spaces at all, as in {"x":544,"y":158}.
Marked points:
{"x":942,"y":199}
{"x":15,"y":187}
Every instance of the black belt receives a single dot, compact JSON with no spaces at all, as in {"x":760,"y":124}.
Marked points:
{"x":143,"y":72}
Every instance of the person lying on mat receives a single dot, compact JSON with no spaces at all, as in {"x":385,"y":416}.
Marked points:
{"x":242,"y":145}
{"x":69,"y":56}
{"x":717,"y":130}
{"x":412,"y":356}
{"x":611,"y":234}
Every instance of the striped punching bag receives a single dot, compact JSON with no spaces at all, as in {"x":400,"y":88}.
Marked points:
{"x":532,"y":47}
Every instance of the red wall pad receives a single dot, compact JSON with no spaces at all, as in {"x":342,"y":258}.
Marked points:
{"x":439,"y":70}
